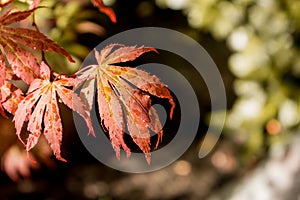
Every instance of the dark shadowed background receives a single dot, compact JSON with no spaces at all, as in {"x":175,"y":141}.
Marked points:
{"x":254,"y":43}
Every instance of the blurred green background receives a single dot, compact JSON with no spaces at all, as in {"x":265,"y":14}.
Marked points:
{"x":255,"y":44}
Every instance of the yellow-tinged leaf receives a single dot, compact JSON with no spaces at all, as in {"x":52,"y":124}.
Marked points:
{"x":12,"y":42}
{"x":125,"y":87}
{"x":40,"y":107}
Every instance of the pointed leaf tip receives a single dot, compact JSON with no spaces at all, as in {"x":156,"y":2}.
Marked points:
{"x":148,"y":158}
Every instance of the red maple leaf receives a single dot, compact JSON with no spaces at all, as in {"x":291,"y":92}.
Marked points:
{"x":128,"y":87}
{"x":16,"y":164}
{"x":97,"y":3}
{"x":10,"y":97}
{"x":106,"y":10}
{"x":40,"y":107}
{"x":14,"y":41}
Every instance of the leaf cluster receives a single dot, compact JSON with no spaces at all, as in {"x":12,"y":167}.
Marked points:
{"x":123,"y":93}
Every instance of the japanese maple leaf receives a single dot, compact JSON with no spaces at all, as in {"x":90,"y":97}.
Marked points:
{"x":97,"y":3}
{"x":16,"y":164}
{"x":106,"y":10}
{"x":10,"y":97}
{"x":13,"y":42}
{"x":40,"y":108}
{"x":4,"y":92}
{"x":125,"y":87}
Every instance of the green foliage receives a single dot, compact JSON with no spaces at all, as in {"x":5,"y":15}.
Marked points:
{"x":263,"y":36}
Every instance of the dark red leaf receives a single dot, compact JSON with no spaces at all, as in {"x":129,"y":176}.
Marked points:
{"x":5,"y":3}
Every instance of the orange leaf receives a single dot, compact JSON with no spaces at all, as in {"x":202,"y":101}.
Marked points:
{"x":11,"y":97}
{"x":40,"y":107}
{"x":13,"y":40}
{"x":106,"y":10}
{"x":125,"y":87}
{"x":16,"y":164}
